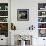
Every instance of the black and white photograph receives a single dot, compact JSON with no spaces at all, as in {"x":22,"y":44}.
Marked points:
{"x":22,"y":14}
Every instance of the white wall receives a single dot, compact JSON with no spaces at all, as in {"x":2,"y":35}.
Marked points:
{"x":32,"y":5}
{"x":24,"y":4}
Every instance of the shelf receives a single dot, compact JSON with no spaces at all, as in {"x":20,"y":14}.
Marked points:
{"x":42,"y":19}
{"x":41,"y":10}
{"x":41,"y":22}
{"x":41,"y":28}
{"x":4,"y":19}
{"x":3,"y":22}
{"x":42,"y":16}
{"x":3,"y":16}
{"x":3,"y":10}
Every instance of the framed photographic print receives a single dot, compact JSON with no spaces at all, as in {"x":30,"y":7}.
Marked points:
{"x":22,"y":14}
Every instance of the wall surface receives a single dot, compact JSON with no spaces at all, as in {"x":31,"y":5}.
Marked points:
{"x":24,"y":4}
{"x":32,"y":5}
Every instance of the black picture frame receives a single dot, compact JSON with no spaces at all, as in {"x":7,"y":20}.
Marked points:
{"x":22,"y":14}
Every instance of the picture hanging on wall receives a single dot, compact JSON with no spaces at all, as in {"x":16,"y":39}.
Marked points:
{"x":22,"y":14}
